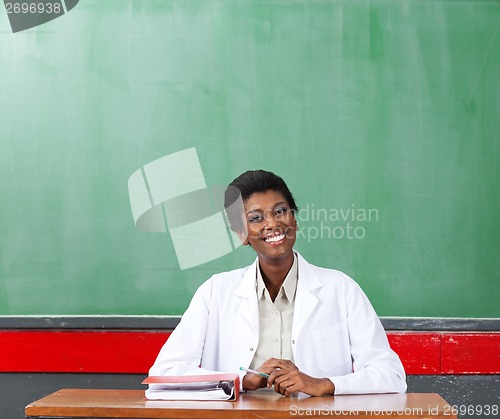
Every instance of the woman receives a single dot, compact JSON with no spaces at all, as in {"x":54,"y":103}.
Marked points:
{"x":311,"y":329}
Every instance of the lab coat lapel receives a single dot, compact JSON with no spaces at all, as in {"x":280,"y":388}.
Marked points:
{"x":249,"y":309}
{"x":305,"y":300}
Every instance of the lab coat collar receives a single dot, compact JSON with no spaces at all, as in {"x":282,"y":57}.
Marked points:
{"x":289,"y":285}
{"x":305,"y":298}
{"x":249,"y":308}
{"x":246,"y":289}
{"x":308,"y":280}
{"x":307,"y":277}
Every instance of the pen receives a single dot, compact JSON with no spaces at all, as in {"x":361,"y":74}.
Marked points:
{"x":254,"y":372}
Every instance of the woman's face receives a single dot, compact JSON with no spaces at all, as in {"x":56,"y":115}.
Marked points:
{"x":271,"y":225}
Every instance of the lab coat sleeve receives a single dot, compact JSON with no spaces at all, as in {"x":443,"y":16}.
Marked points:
{"x":376,"y":367}
{"x":182,"y":352}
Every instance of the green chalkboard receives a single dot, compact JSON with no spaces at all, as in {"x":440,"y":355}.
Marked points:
{"x":383,"y":116}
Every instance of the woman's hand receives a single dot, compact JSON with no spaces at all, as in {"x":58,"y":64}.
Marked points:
{"x":253,"y":382}
{"x":287,"y":379}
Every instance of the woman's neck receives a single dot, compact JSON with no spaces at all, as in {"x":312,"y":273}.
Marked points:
{"x":274,"y":273}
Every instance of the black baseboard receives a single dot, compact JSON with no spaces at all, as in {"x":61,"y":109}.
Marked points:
{"x":18,"y":389}
{"x":473,"y":394}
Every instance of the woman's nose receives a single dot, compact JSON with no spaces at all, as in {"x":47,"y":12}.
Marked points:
{"x":270,"y":221}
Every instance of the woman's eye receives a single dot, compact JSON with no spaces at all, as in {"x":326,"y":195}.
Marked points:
{"x":281,"y":211}
{"x":254,"y":218}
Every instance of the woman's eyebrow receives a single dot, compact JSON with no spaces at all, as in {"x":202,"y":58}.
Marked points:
{"x":280,"y":203}
{"x":253,"y":210}
{"x":274,"y":206}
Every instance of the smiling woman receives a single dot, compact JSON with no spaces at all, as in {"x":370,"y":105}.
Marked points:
{"x":311,"y":329}
{"x":270,"y":228}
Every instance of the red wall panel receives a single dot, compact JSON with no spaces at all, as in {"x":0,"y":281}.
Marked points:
{"x":79,"y":351}
{"x":109,"y":351}
{"x":470,"y":353}
{"x":419,"y":352}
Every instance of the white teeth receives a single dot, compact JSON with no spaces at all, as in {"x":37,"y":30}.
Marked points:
{"x":275,"y":238}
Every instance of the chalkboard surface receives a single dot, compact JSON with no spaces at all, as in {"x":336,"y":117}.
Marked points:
{"x":383,"y":117}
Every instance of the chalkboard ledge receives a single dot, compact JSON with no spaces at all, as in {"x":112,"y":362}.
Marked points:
{"x":170,"y":322}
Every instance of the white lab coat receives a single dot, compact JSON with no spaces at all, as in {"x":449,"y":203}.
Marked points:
{"x":336,"y":332}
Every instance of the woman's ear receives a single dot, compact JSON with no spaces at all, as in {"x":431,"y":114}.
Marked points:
{"x":243,"y":236}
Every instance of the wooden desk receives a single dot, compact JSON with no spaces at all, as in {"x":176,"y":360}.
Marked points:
{"x":76,"y":403}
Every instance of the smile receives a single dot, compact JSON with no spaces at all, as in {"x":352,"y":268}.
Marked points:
{"x":275,"y":239}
